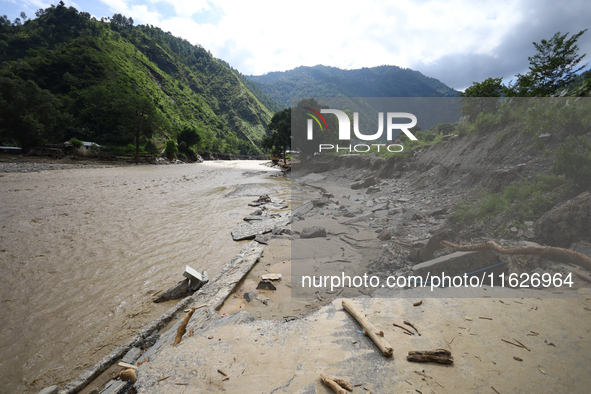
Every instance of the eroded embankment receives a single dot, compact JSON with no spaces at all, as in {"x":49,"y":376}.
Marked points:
{"x":487,"y":159}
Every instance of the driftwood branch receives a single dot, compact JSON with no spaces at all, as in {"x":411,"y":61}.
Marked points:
{"x":332,"y":384}
{"x":583,"y":275}
{"x":404,"y":328}
{"x":442,"y":356}
{"x":560,"y":254}
{"x":369,"y":329}
{"x":412,"y":325}
{"x":126,"y":365}
{"x":183,"y":327}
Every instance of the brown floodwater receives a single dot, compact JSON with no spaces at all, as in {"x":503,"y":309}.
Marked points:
{"x":83,"y":251}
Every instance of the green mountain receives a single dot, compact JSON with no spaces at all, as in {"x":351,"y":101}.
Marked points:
{"x":323,"y":81}
{"x":65,"y":74}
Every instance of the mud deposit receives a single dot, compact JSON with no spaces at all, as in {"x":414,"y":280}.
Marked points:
{"x":83,"y":251}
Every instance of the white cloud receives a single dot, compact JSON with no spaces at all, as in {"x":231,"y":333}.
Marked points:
{"x":262,"y":36}
{"x":345,"y":33}
{"x":141,"y":13}
{"x":187,"y":7}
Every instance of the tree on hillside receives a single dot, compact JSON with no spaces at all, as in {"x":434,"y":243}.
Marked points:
{"x":480,"y":97}
{"x":140,"y":118}
{"x":490,"y":87}
{"x":28,"y":114}
{"x":190,"y":136}
{"x":552,"y":68}
{"x":280,"y":139}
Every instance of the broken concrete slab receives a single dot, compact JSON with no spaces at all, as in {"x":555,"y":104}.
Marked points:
{"x":195,"y":278}
{"x":249,"y":231}
{"x":372,"y":190}
{"x":358,"y":219}
{"x":180,"y":290}
{"x":132,"y":355}
{"x":300,"y":211}
{"x":271,"y":277}
{"x":321,"y":202}
{"x":380,"y":207}
{"x":367,"y":182}
{"x":262,"y":238}
{"x":281,"y":231}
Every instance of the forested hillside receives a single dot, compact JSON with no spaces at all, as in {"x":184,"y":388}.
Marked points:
{"x":65,"y":74}
{"x":323,"y":81}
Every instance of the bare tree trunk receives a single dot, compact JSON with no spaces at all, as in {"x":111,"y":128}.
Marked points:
{"x":137,"y":147}
{"x":560,"y":254}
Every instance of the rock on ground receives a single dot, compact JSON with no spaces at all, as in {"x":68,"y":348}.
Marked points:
{"x":566,"y":223}
{"x":313,"y":232}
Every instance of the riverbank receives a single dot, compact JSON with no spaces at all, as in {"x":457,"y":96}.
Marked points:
{"x":83,"y":251}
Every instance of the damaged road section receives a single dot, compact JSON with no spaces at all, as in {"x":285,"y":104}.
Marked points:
{"x":211,"y":294}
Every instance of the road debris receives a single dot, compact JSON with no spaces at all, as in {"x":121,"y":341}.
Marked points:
{"x":369,"y":329}
{"x":442,"y":356}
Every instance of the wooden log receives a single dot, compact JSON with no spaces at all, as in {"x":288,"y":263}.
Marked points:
{"x":369,"y":329}
{"x":126,"y":365}
{"x":183,"y":327}
{"x":332,"y":384}
{"x":442,"y":356}
{"x":343,"y":383}
{"x":560,"y":254}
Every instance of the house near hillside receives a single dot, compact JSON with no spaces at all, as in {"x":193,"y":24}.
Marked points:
{"x":86,"y":149}
{"x":11,"y":149}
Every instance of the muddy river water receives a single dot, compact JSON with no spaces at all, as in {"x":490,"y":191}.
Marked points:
{"x":83,"y":251}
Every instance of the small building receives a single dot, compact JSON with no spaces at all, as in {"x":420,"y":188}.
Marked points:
{"x":11,"y":149}
{"x":87,"y":148}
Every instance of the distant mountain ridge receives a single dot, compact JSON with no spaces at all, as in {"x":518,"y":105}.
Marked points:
{"x":325,"y":81}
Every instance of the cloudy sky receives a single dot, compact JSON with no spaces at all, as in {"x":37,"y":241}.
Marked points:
{"x":455,"y":41}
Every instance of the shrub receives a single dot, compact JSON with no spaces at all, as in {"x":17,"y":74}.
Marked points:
{"x":523,"y":200}
{"x":463,"y":129}
{"x":171,"y":149}
{"x":76,"y":143}
{"x":187,"y":152}
{"x":151,"y":148}
{"x":573,"y":160}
